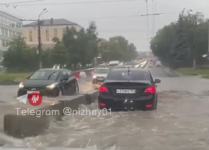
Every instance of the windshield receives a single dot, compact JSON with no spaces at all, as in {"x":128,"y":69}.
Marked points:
{"x":112,"y":65}
{"x":102,"y":71}
{"x":44,"y":75}
{"x":124,"y":75}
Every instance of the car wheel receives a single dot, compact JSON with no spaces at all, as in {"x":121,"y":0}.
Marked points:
{"x":60,"y":92}
{"x":155,"y":105}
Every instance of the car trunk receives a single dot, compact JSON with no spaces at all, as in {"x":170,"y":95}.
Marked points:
{"x":126,"y":89}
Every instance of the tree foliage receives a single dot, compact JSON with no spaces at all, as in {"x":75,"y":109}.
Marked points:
{"x":118,"y":48}
{"x":174,"y":43}
{"x":77,"y":47}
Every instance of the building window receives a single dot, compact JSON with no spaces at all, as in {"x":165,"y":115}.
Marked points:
{"x":4,"y":43}
{"x":19,"y":24}
{"x":55,"y":32}
{"x":13,"y":24}
{"x":30,"y":36}
{"x":6,"y":33}
{"x":2,"y":31}
{"x":0,"y":42}
{"x":47,"y":35}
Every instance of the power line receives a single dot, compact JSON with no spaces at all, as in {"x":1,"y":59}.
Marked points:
{"x":25,"y":2}
{"x":89,"y":2}
{"x":13,"y":3}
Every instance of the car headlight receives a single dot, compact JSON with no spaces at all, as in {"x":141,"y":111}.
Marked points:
{"x":94,"y":76}
{"x":51,"y":86}
{"x":21,"y":85}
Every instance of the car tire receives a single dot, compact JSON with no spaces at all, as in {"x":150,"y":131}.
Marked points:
{"x":155,"y":105}
{"x":59,"y":93}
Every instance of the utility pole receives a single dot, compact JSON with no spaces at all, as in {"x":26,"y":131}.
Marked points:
{"x":39,"y":23}
{"x":39,"y":44}
{"x":147,"y":20}
{"x":39,"y":37}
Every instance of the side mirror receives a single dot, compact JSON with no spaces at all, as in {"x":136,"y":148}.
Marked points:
{"x":157,"y":80}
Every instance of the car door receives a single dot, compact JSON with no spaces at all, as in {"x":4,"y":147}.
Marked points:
{"x":72,"y":81}
{"x":65,"y":82}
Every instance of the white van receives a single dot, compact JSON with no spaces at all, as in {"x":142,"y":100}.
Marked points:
{"x":114,"y":63}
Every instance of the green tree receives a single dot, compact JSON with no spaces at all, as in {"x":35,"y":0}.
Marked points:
{"x":19,"y":57}
{"x":58,"y":54}
{"x":193,"y":26}
{"x":179,"y":52}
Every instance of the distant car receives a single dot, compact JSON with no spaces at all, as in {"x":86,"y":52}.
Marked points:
{"x":50,"y":82}
{"x":128,"y":89}
{"x":130,"y":64}
{"x":99,"y":75}
{"x":150,"y":65}
{"x":158,"y":64}
{"x":114,"y":63}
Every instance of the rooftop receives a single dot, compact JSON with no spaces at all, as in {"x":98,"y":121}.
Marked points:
{"x":9,"y":14}
{"x":52,"y":22}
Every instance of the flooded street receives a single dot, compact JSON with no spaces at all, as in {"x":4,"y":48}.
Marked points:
{"x":180,"y":123}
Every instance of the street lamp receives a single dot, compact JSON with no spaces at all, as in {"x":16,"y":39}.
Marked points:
{"x":39,"y":36}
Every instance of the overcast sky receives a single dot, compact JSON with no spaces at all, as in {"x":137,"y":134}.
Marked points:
{"x":112,"y":17}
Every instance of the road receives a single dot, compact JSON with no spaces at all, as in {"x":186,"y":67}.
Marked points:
{"x":180,"y":123}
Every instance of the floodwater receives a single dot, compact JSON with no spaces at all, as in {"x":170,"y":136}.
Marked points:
{"x":180,"y":123}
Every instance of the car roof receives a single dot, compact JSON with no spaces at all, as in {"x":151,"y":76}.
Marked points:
{"x":131,"y":69}
{"x":61,"y":69}
{"x":102,"y":68}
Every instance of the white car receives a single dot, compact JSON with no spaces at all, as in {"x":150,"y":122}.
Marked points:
{"x":100,"y":75}
{"x":158,"y":64}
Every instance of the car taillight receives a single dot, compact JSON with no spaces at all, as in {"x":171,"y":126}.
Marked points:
{"x":103,"y":89}
{"x":102,"y":104}
{"x":150,"y":89}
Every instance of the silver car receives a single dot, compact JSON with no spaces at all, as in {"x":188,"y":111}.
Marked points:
{"x":100,"y":75}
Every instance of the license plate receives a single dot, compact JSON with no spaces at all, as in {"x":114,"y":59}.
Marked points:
{"x":124,"y":91}
{"x":29,"y":92}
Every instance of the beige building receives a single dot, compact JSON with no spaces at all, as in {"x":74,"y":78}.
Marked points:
{"x":50,"y":28}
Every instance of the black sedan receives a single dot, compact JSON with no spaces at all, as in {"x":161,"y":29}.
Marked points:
{"x":129,"y":89}
{"x":50,"y":82}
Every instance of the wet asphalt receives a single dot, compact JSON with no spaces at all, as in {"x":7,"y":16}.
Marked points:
{"x":180,"y":123}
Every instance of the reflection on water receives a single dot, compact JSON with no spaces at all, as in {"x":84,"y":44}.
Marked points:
{"x":180,"y":123}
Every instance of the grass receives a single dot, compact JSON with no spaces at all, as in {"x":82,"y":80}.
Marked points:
{"x":13,"y":76}
{"x":190,"y":71}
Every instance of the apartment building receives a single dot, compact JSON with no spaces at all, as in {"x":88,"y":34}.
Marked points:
{"x":10,"y":27}
{"x":50,"y":28}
